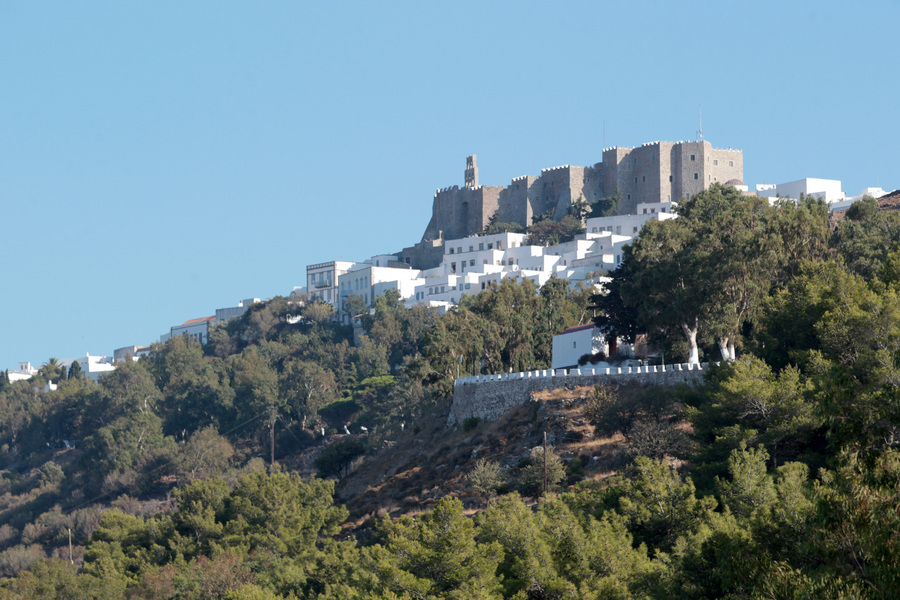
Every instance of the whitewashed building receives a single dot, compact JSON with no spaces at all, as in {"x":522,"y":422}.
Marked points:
{"x":135,"y":353}
{"x":631,"y":225}
{"x":367,"y":281}
{"x":92,"y":367}
{"x":575,"y":342}
{"x":322,"y":280}
{"x":25,"y":371}
{"x":197,"y":329}
{"x":828,"y":190}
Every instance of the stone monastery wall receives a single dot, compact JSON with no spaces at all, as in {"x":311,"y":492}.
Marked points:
{"x":489,"y":396}
{"x":653,"y":172}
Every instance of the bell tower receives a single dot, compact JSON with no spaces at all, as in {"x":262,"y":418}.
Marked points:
{"x":471,"y":172}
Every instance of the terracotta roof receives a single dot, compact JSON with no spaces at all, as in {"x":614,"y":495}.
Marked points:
{"x":579,"y":328}
{"x":200,"y":320}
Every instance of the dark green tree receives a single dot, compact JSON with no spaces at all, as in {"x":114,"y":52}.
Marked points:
{"x":335,"y":460}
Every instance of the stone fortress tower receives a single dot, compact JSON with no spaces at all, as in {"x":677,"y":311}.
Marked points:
{"x":653,"y":172}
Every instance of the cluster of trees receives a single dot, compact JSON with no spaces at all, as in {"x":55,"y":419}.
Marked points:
{"x":652,"y":533}
{"x":702,"y":277}
{"x":506,"y":328}
{"x":189,"y":412}
{"x":778,"y":477}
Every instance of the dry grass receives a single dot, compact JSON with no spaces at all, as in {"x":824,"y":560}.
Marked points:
{"x":409,"y":475}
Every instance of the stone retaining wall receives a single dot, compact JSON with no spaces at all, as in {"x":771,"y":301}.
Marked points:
{"x":489,"y":396}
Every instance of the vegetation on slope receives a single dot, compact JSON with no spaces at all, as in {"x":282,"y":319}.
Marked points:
{"x":779,"y":477}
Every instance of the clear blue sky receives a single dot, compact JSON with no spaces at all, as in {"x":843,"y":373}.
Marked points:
{"x":161,"y":159}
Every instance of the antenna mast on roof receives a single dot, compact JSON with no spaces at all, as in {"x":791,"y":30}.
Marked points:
{"x":700,"y":131}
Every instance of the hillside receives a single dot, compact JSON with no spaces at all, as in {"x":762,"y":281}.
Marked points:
{"x":411,"y":472}
{"x":731,"y":488}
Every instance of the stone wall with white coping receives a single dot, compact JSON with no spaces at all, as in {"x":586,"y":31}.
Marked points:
{"x":489,"y":396}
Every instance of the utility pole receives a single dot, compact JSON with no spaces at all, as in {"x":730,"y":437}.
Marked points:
{"x":545,"y":464}
{"x":272,"y":438}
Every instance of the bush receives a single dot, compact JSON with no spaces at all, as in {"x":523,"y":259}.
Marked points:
{"x":486,"y":477}
{"x":336,"y":459}
{"x":51,"y":474}
{"x":531,"y":478}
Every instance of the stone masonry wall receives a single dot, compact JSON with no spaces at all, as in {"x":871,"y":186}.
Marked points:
{"x":489,"y":396}
{"x":640,"y":174}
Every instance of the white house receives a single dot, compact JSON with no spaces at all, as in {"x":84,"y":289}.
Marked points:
{"x":632,"y":224}
{"x":874,"y":192}
{"x":135,"y":352}
{"x":92,"y":367}
{"x":368,"y":281}
{"x":322,"y":280}
{"x":232,"y":312}
{"x":197,"y":329}
{"x":828,"y":190}
{"x":575,"y":342}
{"x":26,"y":371}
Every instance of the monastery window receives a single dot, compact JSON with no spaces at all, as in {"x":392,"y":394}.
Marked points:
{"x":593,"y":230}
{"x":482,"y":285}
{"x":471,"y":248}
{"x":670,"y":179}
{"x":730,"y":163}
{"x":618,"y":229}
{"x":629,"y":196}
{"x":451,"y":250}
{"x":634,"y":230}
{"x":459,"y":250}
{"x":645,"y":211}
{"x":510,"y":261}
{"x":643,"y":178}
{"x":481,"y":246}
{"x":696,"y":175}
{"x":715,"y":163}
{"x":468,"y":285}
{"x":693,"y":157}
{"x":484,"y":262}
{"x":490,"y":246}
{"x":453,"y":267}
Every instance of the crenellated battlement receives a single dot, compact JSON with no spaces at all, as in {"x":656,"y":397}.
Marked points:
{"x":655,"y":171}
